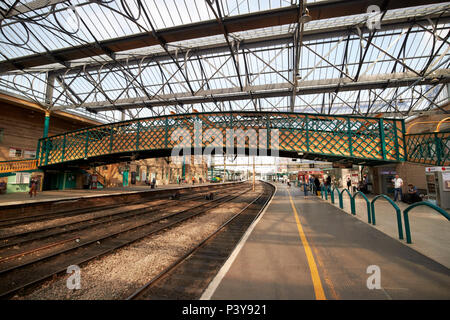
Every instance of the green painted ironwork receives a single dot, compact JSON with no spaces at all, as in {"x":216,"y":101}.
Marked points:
{"x":383,"y":139}
{"x":46,"y":125}
{"x":422,"y":203}
{"x":369,"y":220}
{"x":397,"y":210}
{"x":341,"y":201}
{"x":429,"y":148}
{"x":332,"y":193}
{"x":324,"y":135}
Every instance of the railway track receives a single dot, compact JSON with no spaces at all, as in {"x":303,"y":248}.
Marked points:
{"x":190,"y":275}
{"x":31,"y":218}
{"x":20,"y":272}
{"x":114,"y":215}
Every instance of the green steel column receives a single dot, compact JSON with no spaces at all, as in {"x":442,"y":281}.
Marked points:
{"x":349,"y":133}
{"x":46,"y":124}
{"x":438,"y":149}
{"x":405,"y":148}
{"x":307,"y":133}
{"x":111,"y":138}
{"x":397,"y":149}
{"x":166,"y":135}
{"x":46,"y":149}
{"x":183,"y":170}
{"x":138,"y":131}
{"x":382,"y":138}
{"x":38,"y":152}
{"x":86,"y":147}
{"x":63,"y":148}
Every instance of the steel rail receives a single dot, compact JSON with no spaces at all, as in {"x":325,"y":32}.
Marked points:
{"x":141,"y":291}
{"x":102,"y":251}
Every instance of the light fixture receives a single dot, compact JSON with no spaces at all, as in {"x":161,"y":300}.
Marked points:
{"x":306,"y":17}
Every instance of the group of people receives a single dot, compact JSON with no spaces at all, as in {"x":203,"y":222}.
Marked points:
{"x":411,"y":196}
{"x":314,"y":185}
{"x":180,"y":180}
{"x":287,"y":181}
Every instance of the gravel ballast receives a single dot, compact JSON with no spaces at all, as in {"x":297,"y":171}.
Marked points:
{"x":119,"y":274}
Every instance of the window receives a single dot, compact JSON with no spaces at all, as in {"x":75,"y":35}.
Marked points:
{"x":29,"y":154}
{"x":22,"y":178}
{"x":15,"y":153}
{"x":1,"y":134}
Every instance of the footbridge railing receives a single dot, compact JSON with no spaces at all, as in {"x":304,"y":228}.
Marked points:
{"x":429,"y":148}
{"x":324,"y":136}
{"x":18,"y":165}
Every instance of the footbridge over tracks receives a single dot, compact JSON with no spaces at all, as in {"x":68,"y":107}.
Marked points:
{"x":364,"y":140}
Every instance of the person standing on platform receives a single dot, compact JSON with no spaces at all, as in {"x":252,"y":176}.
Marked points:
{"x":86,"y":178}
{"x":193,"y":180}
{"x":316,"y":185}
{"x":305,"y":188}
{"x":349,"y":183}
{"x":398,"y":184}
{"x":328,"y":184}
{"x":33,"y":186}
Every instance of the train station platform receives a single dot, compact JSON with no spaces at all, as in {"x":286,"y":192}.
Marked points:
{"x":306,"y":248}
{"x":69,"y":194}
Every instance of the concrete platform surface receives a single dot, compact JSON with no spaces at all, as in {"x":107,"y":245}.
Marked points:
{"x":24,"y":197}
{"x":306,"y":248}
{"x":430,"y":231}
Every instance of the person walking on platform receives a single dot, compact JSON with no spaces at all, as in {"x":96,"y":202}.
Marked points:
{"x":305,"y":188}
{"x":349,"y":183}
{"x":398,"y":184}
{"x":316,"y":185}
{"x":33,"y":186}
{"x":193,"y":180}
{"x":153,"y":185}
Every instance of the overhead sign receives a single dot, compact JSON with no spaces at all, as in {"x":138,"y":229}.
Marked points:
{"x":437,"y":169}
{"x":341,"y":165}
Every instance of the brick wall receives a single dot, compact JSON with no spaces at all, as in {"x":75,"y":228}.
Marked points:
{"x":21,"y":128}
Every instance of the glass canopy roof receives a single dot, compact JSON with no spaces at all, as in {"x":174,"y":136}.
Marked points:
{"x":115,"y":60}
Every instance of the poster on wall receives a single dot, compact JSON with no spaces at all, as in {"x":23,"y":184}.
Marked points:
{"x":446,"y":180}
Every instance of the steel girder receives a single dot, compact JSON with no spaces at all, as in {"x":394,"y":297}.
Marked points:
{"x":287,"y":15}
{"x":272,"y":90}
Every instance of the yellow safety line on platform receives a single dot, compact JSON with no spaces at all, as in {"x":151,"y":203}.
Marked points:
{"x":318,"y":289}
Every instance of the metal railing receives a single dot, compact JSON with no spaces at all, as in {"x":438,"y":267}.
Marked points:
{"x":353,"y":137}
{"x":18,"y":165}
{"x":371,"y":218}
{"x":422,"y":203}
